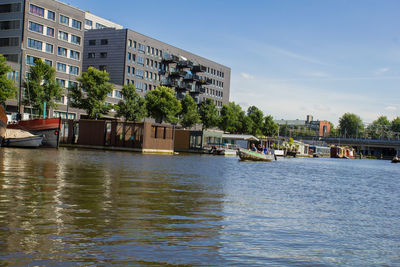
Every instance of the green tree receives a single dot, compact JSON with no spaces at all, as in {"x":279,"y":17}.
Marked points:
{"x":134,"y":106}
{"x":41,"y":86}
{"x":208,"y":114}
{"x":395,"y":125}
{"x":189,"y":114}
{"x":256,"y":117}
{"x":230,"y":118}
{"x":350,"y":125}
{"x":246,"y":124}
{"x":379,"y":128}
{"x":162,"y":105}
{"x":91,"y":93}
{"x":334,"y":132}
{"x":7,"y":88}
{"x":269,"y":127}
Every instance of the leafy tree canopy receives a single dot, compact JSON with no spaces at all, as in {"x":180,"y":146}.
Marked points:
{"x":41,"y":86}
{"x":395,"y":124}
{"x":208,"y":114}
{"x":134,"y":106}
{"x":162,"y":105}
{"x":7,"y":88}
{"x":350,"y":125}
{"x":257,"y":117}
{"x":246,"y":124}
{"x":269,"y":127}
{"x":92,"y":92}
{"x":230,"y":118}
{"x":189,"y":114}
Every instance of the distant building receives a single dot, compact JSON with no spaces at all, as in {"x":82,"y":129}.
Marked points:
{"x":321,"y":128}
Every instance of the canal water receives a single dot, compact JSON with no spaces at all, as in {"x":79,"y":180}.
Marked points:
{"x":85,"y":207}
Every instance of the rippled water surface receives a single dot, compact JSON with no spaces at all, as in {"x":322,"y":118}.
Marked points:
{"x":87,"y":207}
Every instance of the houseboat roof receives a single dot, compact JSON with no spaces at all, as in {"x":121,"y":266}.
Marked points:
{"x":240,"y":137}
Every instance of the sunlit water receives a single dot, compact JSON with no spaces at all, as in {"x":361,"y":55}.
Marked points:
{"x":86,"y":207}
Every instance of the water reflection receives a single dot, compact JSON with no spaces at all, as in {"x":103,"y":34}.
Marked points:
{"x":91,"y":206}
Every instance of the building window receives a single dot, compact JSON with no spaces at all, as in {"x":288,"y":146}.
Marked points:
{"x":88,"y":22}
{"x":8,"y":8}
{"x":34,"y":44}
{"x":103,"y":54}
{"x":50,"y":32}
{"x":9,"y":25}
{"x":60,"y":82}
{"x":133,"y":70}
{"x":74,"y":70}
{"x":118,"y":94}
{"x":133,"y":58}
{"x":140,"y":61}
{"x":75,"y":39}
{"x":48,"y":62}
{"x":104,"y":42}
{"x":139,"y":74}
{"x":31,"y":60}
{"x":62,"y":51}
{"x":134,"y":44}
{"x":74,"y":54}
{"x":152,"y":50}
{"x":91,"y":55}
{"x":36,"y":10}
{"x":100,"y":26}
{"x":11,"y":41}
{"x":92,"y":42}
{"x":141,"y":48}
{"x":147,"y":62}
{"x":63,"y":36}
{"x":35,"y":27}
{"x":64,"y":20}
{"x":76,"y":24}
{"x":129,"y":43}
{"x":51,"y":15}
{"x":61,"y":67}
{"x":49,"y":48}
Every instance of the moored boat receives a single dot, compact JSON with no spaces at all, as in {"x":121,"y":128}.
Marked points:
{"x":48,"y":128}
{"x":21,"y":138}
{"x":3,"y":124}
{"x":249,"y":155}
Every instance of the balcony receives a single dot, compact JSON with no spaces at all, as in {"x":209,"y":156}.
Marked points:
{"x":204,"y":80}
{"x":194,"y":88}
{"x":166,"y":82}
{"x":198,"y":68}
{"x":168,"y":58}
{"x":176,"y":72}
{"x":185,"y":64}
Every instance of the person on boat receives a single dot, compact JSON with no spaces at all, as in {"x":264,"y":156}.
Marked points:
{"x":260,"y":148}
{"x":253,"y":147}
{"x":396,"y":157}
{"x":265,"y":149}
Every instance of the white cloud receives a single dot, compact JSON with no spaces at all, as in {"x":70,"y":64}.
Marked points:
{"x":391,"y":108}
{"x":381,"y":71}
{"x":247,"y":76}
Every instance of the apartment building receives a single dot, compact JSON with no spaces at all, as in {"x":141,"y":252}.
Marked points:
{"x":71,"y":40}
{"x":50,"y":30}
{"x":134,"y":58}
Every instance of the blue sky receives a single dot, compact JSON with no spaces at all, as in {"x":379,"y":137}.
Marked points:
{"x":289,"y":58}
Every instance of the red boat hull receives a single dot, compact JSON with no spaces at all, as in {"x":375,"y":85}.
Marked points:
{"x":49,"y":128}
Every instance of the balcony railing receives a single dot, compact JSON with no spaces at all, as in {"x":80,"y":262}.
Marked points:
{"x":185,"y":64}
{"x":168,"y":58}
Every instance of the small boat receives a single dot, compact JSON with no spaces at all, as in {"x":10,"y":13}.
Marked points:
{"x":3,"y":124}
{"x":27,"y":142}
{"x":20,"y":138}
{"x":49,"y":128}
{"x":249,"y":155}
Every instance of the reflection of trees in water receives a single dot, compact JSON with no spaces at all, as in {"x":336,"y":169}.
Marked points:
{"x":58,"y":201}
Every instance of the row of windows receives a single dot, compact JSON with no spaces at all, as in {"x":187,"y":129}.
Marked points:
{"x":10,"y":8}
{"x":9,"y":25}
{"x":102,"y":42}
{"x":9,"y":41}
{"x":60,"y":67}
{"x":214,"y":92}
{"x":49,"y":48}
{"x":65,"y":20}
{"x":216,"y":102}
{"x":63,"y":83}
{"x":13,"y":75}
{"x":142,"y":48}
{"x":215,"y":72}
{"x":89,"y":23}
{"x":93,"y":55}
{"x":64,"y":36}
